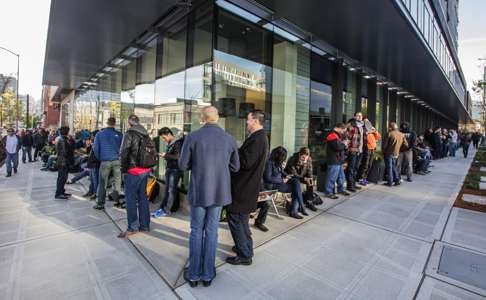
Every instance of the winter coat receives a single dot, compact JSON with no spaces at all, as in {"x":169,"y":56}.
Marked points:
{"x":334,"y":149}
{"x":172,"y":154}
{"x":297,"y":168}
{"x":130,"y":146}
{"x":107,"y":144}
{"x":273,"y":175}
{"x":211,"y":155}
{"x":246,"y":183}
{"x":65,"y":152}
{"x":393,"y":143}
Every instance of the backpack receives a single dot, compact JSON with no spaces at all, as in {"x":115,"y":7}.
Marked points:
{"x":147,"y":154}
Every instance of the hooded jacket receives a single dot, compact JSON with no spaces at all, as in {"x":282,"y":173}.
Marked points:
{"x":335,"y":149}
{"x":129,"y":147}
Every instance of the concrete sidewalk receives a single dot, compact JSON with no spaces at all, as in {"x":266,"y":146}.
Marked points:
{"x":383,"y":243}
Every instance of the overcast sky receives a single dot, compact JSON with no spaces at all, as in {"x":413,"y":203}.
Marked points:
{"x":23,"y":29}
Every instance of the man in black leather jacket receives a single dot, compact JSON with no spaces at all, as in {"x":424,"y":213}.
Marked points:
{"x":135,"y":179}
{"x":172,"y":172}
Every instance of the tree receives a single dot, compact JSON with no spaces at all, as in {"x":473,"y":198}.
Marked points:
{"x":8,"y":108}
{"x":479,"y":88}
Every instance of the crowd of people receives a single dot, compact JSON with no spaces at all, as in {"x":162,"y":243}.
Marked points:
{"x":223,"y":175}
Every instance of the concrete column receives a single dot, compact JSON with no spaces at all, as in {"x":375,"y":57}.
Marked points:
{"x":372,"y":100}
{"x":384,"y":110}
{"x":337,"y":92}
{"x":393,"y":98}
{"x":357,"y":95}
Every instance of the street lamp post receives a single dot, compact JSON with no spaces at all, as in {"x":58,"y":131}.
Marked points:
{"x":17,"y":87}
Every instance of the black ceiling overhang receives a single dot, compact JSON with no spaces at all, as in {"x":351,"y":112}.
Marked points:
{"x":84,"y":35}
{"x":376,"y":33}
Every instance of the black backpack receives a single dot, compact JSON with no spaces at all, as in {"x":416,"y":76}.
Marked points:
{"x":147,"y":153}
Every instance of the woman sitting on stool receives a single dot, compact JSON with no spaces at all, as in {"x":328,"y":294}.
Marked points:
{"x":274,"y":178}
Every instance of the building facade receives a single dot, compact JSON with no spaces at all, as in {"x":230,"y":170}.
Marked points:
{"x":306,"y":64}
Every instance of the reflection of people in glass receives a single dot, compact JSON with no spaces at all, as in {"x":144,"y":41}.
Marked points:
{"x":172,"y":172}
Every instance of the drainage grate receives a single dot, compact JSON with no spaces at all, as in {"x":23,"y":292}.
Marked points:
{"x":464,"y":266}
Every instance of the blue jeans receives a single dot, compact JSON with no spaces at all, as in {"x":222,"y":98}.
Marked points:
{"x":172,"y":177}
{"x":391,"y":169}
{"x":203,"y":241}
{"x":293,"y":186}
{"x":93,"y":180}
{"x":26,"y":151}
{"x":335,"y":174}
{"x":80,"y":176}
{"x":12,"y":161}
{"x":452,"y":149}
{"x":138,"y":214}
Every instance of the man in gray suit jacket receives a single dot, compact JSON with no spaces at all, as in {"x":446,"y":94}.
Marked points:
{"x":211,"y":155}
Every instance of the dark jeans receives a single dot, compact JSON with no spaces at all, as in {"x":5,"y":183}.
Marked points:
{"x":172,"y":177}
{"x":240,"y":231}
{"x":62,"y":176}
{"x":391,"y":169}
{"x":138,"y":214}
{"x":364,"y":168}
{"x":465,"y":150}
{"x":293,"y":186}
{"x":352,"y":169}
{"x":12,"y":160}
{"x":93,"y":180}
{"x":203,"y":241}
{"x":80,"y":176}
{"x":262,"y":214}
{"x":26,"y":151}
{"x":37,"y":151}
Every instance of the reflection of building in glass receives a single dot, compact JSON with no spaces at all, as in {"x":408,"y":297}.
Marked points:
{"x":236,"y":75}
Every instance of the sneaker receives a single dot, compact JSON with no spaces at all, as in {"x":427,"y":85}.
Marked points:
{"x":99,"y":207}
{"x":159,"y":213}
{"x":332,"y":196}
{"x":87,"y":195}
{"x":344,"y":193}
{"x":69,"y":182}
{"x":409,"y":179}
{"x":261,"y":227}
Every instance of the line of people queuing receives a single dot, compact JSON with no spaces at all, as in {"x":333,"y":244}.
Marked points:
{"x":223,"y":175}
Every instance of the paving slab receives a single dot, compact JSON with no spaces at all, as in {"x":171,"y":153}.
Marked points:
{"x":434,"y":289}
{"x":466,"y":228}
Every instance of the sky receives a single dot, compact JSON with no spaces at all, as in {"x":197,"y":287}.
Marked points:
{"x":23,"y":30}
{"x":24,"y":23}
{"x":472,"y":39}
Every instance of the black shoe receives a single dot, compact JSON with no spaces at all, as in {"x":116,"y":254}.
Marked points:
{"x":303,"y":212}
{"x":234,"y":249}
{"x":311,"y":206}
{"x":353,"y":190}
{"x":261,"y":227}
{"x":387,"y":184}
{"x":357,"y":187}
{"x":99,"y":207}
{"x":67,"y":194}
{"x":397,"y":183}
{"x":236,"y":260}
{"x":332,"y":196}
{"x":409,"y":179}
{"x":87,"y":195}
{"x":207,"y":283}
{"x":192,"y":284}
{"x":15,"y":170}
{"x":62,"y":197}
{"x":295,"y":216}
{"x":93,"y":197}
{"x":344,"y":193}
{"x":8,"y":175}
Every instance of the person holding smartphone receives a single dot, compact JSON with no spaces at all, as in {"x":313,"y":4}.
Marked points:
{"x":299,"y":166}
